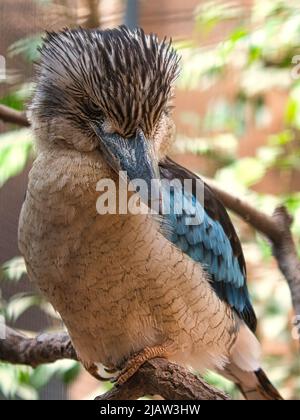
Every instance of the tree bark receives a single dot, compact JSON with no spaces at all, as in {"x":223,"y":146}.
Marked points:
{"x":170,"y":381}
{"x":45,"y":348}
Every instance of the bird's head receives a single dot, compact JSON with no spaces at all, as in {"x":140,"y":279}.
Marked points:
{"x":109,"y":90}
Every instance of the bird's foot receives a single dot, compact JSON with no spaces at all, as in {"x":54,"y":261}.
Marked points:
{"x":94,"y":371}
{"x":110,"y":370}
{"x":135,"y":362}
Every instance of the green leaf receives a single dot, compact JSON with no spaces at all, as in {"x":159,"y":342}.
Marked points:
{"x":211,"y":13}
{"x":281,"y":139}
{"x":44,"y":2}
{"x":220,"y":382}
{"x":26,"y":392}
{"x":8,"y":380}
{"x":41,"y":376}
{"x":25,"y":383}
{"x":292,"y":112}
{"x":14,"y":382}
{"x":17,"y":98}
{"x":238,"y":34}
{"x":67,"y":370}
{"x":14,"y":269}
{"x":15,"y":150}
{"x":28,"y":47}
{"x":248,"y":171}
{"x":265,"y":247}
{"x":269,"y":155}
{"x":71,"y":373}
{"x":19,"y":304}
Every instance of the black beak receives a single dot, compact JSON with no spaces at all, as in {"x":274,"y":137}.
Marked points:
{"x":135,"y":156}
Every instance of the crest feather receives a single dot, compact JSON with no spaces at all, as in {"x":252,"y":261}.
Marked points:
{"x":129,"y":75}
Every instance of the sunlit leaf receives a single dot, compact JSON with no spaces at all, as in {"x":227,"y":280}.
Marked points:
{"x":15,"y":150}
{"x":67,"y":370}
{"x":71,"y":373}
{"x":14,"y":269}
{"x":17,"y":98}
{"x":269,"y":155}
{"x":265,"y":247}
{"x":14,"y":382}
{"x":220,"y":382}
{"x":248,"y":171}
{"x":26,"y":392}
{"x":19,"y":304}
{"x":211,"y":13}
{"x":42,"y":375}
{"x":28,"y":47}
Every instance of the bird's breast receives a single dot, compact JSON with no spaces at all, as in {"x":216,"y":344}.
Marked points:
{"x":118,"y":284}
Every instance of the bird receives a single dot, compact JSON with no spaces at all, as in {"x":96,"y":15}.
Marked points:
{"x":130,"y":287}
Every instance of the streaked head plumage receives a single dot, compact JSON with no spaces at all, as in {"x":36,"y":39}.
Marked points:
{"x":122,"y":76}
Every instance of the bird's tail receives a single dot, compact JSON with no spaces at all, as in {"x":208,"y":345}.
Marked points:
{"x":244,"y":368}
{"x":253,"y":385}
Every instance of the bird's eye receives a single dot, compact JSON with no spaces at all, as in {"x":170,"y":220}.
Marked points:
{"x":92,"y":110}
{"x":92,"y":106}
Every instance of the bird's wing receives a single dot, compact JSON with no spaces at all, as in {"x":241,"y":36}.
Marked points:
{"x":213,"y":243}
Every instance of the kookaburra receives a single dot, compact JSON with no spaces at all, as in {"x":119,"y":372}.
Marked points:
{"x":130,"y":287}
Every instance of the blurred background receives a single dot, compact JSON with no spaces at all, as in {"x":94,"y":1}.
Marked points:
{"x":238,"y":120}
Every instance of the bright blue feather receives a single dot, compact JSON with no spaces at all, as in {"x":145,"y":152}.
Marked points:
{"x":208,"y":244}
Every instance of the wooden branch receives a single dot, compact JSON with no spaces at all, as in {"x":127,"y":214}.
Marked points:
{"x":285,"y":252}
{"x":156,"y":377}
{"x":170,"y":381}
{"x":12,"y":116}
{"x":46,"y":348}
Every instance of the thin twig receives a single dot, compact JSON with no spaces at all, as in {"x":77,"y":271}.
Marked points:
{"x":12,"y":116}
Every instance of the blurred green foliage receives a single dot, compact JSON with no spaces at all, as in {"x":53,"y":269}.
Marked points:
{"x":258,"y":47}
{"x":28,"y":47}
{"x":15,"y":150}
{"x":23,"y":382}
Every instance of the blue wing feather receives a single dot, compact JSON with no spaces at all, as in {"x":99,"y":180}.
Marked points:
{"x":213,"y":243}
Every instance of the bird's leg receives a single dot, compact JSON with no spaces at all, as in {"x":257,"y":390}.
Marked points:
{"x":135,"y":362}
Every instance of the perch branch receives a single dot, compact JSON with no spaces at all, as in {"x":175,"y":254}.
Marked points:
{"x":10,"y":115}
{"x":156,"y":377}
{"x":45,"y":348}
{"x":170,"y":381}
